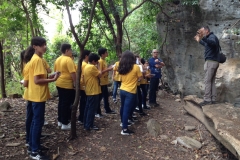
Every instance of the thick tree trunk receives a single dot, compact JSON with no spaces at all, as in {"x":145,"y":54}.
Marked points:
{"x":3,"y":91}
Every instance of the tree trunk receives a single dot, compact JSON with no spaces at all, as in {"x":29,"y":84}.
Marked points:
{"x":119,"y":39}
{"x":28,"y":18}
{"x":3,"y":91}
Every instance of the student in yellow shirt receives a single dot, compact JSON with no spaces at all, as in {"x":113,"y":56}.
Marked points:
{"x":116,"y":80}
{"x":92,"y":90}
{"x":38,"y":93}
{"x":65,"y":86}
{"x":83,"y":97}
{"x":26,"y":56}
{"x":139,"y":92}
{"x":130,"y":74}
{"x":144,"y":83}
{"x":102,"y":66}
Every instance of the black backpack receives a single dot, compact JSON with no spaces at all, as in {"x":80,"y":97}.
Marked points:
{"x":221,"y":57}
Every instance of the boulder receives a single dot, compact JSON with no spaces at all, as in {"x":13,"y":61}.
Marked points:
{"x":222,"y":120}
{"x":5,"y":106}
{"x":189,"y":142}
{"x":154,"y":128}
{"x":183,"y":57}
{"x":189,"y":128}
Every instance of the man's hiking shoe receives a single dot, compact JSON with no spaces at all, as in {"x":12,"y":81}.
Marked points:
{"x":205,"y":103}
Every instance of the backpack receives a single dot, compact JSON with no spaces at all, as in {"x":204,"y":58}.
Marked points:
{"x":221,"y":57}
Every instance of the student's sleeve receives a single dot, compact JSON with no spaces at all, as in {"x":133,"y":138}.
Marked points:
{"x":95,"y":72}
{"x":139,"y":73}
{"x":39,"y":68}
{"x":71,"y":66}
{"x":115,"y":66}
{"x":26,"y":73}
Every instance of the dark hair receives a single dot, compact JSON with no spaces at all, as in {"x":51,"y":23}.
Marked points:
{"x":38,"y":41}
{"x":85,"y":53}
{"x":65,"y":47}
{"x":26,"y":56}
{"x":142,"y":61}
{"x":93,"y":57}
{"x":207,"y":28}
{"x":126,"y":63}
{"x":102,"y":51}
{"x":22,"y":59}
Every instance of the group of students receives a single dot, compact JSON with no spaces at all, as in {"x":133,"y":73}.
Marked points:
{"x":130,"y":73}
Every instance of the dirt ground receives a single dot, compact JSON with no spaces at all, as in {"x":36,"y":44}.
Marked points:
{"x":108,"y":143}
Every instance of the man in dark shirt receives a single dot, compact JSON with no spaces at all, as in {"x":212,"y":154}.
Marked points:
{"x":211,"y":44}
{"x":155,"y":65}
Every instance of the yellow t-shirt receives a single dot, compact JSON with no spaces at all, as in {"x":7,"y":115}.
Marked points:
{"x":66,"y":66}
{"x":129,"y":81}
{"x":26,"y":78}
{"x":91,"y":80}
{"x":37,"y":92}
{"x":82,"y":84}
{"x":102,"y":66}
{"x":144,"y":80}
{"x":116,"y":75}
{"x":46,"y":65}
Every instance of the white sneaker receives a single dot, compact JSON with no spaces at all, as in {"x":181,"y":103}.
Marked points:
{"x":45,"y":123}
{"x":98,"y":115}
{"x":66,"y":127}
{"x":59,"y":124}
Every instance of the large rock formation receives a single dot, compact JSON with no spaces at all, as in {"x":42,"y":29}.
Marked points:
{"x":177,"y":25}
{"x":222,"y":120}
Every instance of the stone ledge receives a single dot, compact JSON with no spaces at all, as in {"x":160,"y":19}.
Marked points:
{"x":222,"y":121}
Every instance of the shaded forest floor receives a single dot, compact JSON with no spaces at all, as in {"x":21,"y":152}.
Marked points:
{"x":108,"y":143}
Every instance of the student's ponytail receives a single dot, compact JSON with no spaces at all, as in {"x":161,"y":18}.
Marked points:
{"x":28,"y":54}
{"x":22,"y":60}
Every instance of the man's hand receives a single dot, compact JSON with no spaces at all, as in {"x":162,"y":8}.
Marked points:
{"x":197,"y":38}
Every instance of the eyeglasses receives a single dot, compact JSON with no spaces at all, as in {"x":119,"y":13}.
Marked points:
{"x":155,"y":52}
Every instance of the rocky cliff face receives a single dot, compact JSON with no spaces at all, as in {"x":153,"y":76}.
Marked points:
{"x":177,"y":25}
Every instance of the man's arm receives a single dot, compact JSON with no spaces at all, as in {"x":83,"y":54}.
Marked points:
{"x":211,"y":40}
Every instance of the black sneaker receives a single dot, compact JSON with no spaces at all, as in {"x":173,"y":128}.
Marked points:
{"x":38,"y":156}
{"x":205,"y":103}
{"x":94,"y":128}
{"x":126,"y":132}
{"x":29,"y":150}
{"x":130,"y":121}
{"x":214,"y":102}
{"x":142,"y":114}
{"x":146,"y":107}
{"x":114,"y":101}
{"x":134,"y":119}
{"x":134,"y":116}
{"x":111,"y":112}
{"x":129,"y":124}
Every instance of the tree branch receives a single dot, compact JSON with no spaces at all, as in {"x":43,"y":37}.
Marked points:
{"x":71,"y":24}
{"x":102,"y":30}
{"x":128,"y":13}
{"x":90,"y":22}
{"x":28,"y":18}
{"x":129,"y":44}
{"x":108,"y":19}
{"x":125,"y":10}
{"x":160,"y":8}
